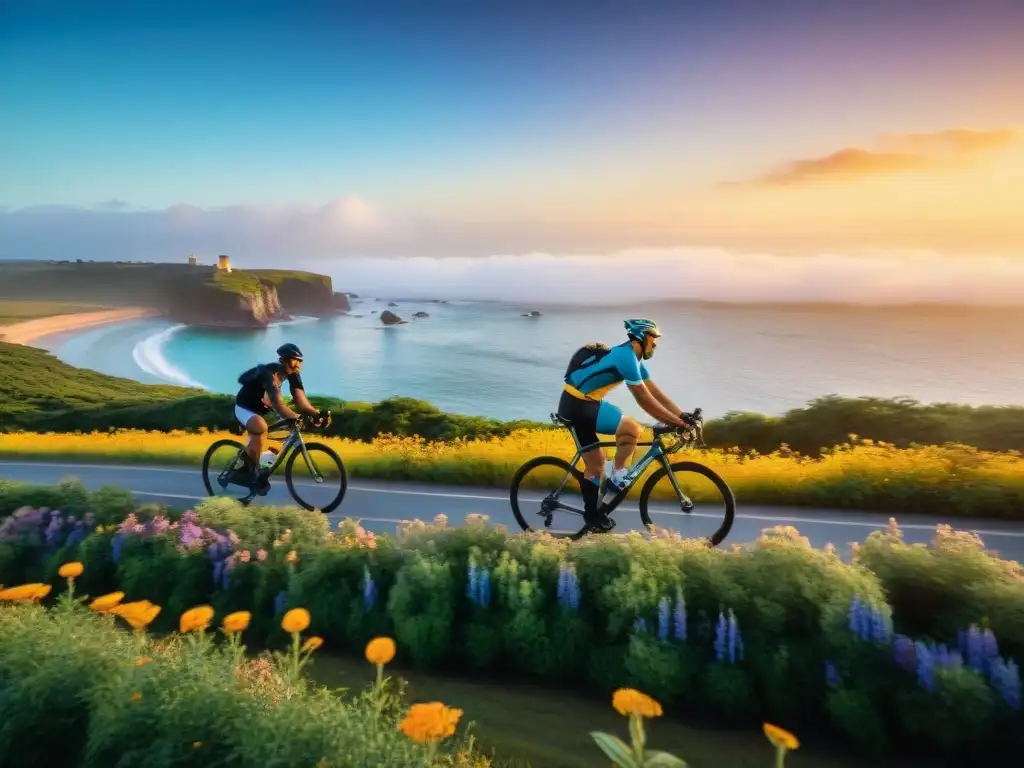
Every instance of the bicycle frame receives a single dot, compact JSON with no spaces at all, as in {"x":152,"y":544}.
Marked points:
{"x":293,"y":441}
{"x":657,"y":452}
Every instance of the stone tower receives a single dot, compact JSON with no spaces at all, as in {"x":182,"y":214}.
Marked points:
{"x":192,"y":261}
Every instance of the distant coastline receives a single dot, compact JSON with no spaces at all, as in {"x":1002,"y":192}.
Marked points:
{"x":30,"y":331}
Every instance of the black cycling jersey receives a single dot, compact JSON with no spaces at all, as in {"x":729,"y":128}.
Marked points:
{"x":257,"y":382}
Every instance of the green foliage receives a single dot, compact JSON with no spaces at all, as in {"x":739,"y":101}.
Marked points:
{"x":73,"y":695}
{"x":791,"y":605}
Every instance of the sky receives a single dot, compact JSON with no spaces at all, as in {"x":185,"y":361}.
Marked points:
{"x":325,"y":132}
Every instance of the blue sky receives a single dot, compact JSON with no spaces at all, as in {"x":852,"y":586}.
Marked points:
{"x":537,"y":115}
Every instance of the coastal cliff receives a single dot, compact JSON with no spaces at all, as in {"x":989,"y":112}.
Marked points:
{"x":191,"y":294}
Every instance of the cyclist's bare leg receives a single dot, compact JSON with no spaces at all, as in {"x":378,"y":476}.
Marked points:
{"x":593,"y":462}
{"x":626,"y":437}
{"x":257,"y":429}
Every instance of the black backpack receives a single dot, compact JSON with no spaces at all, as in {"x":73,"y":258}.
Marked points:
{"x":586,"y":356}
{"x":252,"y":375}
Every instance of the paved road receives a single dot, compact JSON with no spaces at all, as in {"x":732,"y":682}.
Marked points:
{"x":380,"y":505}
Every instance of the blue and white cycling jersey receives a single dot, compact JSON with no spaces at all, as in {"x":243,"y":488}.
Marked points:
{"x":595,"y":378}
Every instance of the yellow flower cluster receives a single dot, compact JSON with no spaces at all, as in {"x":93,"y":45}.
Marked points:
{"x":430,"y":722}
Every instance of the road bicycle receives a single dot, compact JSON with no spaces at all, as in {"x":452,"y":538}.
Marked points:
{"x":659,"y":452}
{"x":324,"y":465}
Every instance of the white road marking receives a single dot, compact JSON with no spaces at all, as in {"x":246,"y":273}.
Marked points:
{"x":505,"y":499}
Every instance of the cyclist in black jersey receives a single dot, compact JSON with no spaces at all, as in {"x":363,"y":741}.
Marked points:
{"x":261,"y":393}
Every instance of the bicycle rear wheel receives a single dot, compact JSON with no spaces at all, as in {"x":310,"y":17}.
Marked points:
{"x":531,"y":505}
{"x":322,"y":476}
{"x":225,"y":469}
{"x":672,"y":499}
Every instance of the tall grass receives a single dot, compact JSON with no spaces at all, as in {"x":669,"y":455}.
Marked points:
{"x":956,"y":480}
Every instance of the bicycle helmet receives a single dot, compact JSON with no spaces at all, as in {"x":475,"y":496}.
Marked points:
{"x":638,"y":329}
{"x":289,"y":352}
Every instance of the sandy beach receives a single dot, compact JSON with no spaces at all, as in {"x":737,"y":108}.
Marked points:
{"x":33,"y":330}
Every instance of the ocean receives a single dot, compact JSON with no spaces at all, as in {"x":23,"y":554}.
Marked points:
{"x":485,"y":358}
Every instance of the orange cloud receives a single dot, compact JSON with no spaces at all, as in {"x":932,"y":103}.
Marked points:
{"x":955,"y":147}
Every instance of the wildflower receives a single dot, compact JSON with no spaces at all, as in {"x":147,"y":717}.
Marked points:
{"x":679,"y":617}
{"x":430,"y":723}
{"x":1006,"y":681}
{"x":116,"y":547}
{"x":369,"y":589}
{"x":71,"y":571}
{"x":735,"y":639}
{"x":236,"y":622}
{"x":105,"y":603}
{"x":142,"y":660}
{"x":244,"y":556}
{"x":484,"y":589}
{"x":380,"y":651}
{"x":312,"y":644}
{"x":631,"y":702}
{"x":261,"y":555}
{"x":139,"y":614}
{"x":295,"y":621}
{"x":721,"y":637}
{"x":925,"y":666}
{"x":292,"y":557}
{"x":831,"y":675}
{"x":663,"y":619}
{"x":30,"y":592}
{"x":782,"y":740}
{"x":196,"y":619}
{"x":903,"y":652}
{"x":136,"y":696}
{"x":280,"y":600}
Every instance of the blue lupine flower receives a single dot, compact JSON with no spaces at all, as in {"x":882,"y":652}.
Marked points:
{"x":663,"y":616}
{"x":640,"y":625}
{"x":568,"y":587}
{"x":831,"y":675}
{"x":76,"y":536}
{"x":213,"y":551}
{"x":721,"y":637}
{"x":280,"y":601}
{"x":855,"y":615}
{"x":961,"y":642}
{"x":484,"y":589}
{"x":471,"y":582}
{"x":879,"y":626}
{"x":1006,"y":682}
{"x":989,"y":648}
{"x":904,"y":653}
{"x":925,"y":666}
{"x":975,"y":653}
{"x":218,"y":569}
{"x":225,"y":575}
{"x":369,"y":589}
{"x":735,"y":639}
{"x":679,"y":617}
{"x":116,"y":545}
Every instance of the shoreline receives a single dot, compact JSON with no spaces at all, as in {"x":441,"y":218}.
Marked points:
{"x":28,"y":332}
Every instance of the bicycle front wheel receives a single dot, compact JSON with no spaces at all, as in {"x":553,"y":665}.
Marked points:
{"x":319,"y":483}
{"x":546,"y":493}
{"x":676,"y":497}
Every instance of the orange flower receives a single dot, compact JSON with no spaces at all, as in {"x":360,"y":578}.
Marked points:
{"x":430,"y":722}
{"x":312,"y":644}
{"x":631,"y":702}
{"x":195,"y":619}
{"x":71,"y":570}
{"x":380,"y":650}
{"x":780,"y":738}
{"x":236,"y":622}
{"x":296,"y":620}
{"x":105,"y":603}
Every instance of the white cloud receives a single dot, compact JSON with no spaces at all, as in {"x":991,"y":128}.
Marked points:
{"x":693,"y":273}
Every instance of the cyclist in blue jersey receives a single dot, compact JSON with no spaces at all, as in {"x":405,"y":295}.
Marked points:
{"x":595,"y":370}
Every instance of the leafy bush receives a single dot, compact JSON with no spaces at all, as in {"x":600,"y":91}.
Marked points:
{"x":774,"y":629}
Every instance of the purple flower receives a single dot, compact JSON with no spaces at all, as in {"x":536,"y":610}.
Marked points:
{"x":280,"y":601}
{"x":989,"y":648}
{"x":735,"y":639}
{"x":903,"y":652}
{"x":484,"y":589}
{"x":831,"y":675}
{"x":663,"y":618}
{"x":471,"y":582}
{"x":568,"y":591}
{"x":1006,"y":682}
{"x":679,"y":617}
{"x":975,"y":654}
{"x":925,"y":666}
{"x":721,"y":637}
{"x":76,"y":537}
{"x":879,"y":626}
{"x":225,"y":575}
{"x":369,"y":589}
{"x":854,"y":617}
{"x":218,"y":568}
{"x":116,"y":546}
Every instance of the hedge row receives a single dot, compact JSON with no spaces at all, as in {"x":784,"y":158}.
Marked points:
{"x":905,"y":648}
